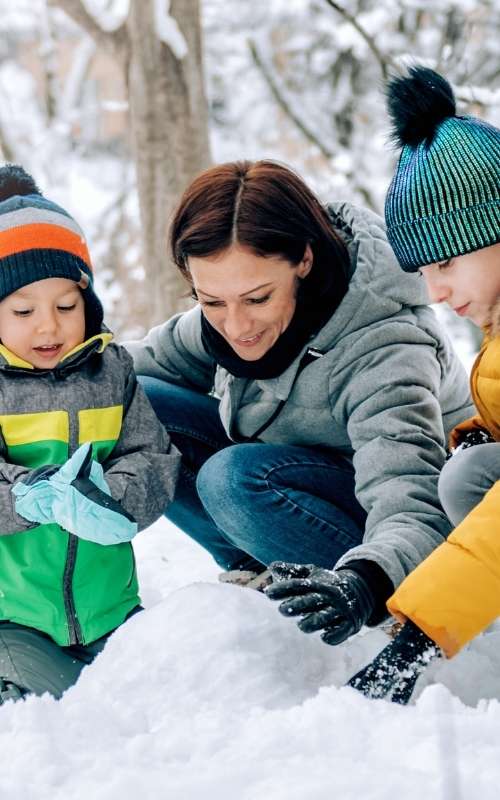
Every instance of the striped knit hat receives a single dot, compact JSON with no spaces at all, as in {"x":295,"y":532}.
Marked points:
{"x":444,"y":199}
{"x":39,"y":240}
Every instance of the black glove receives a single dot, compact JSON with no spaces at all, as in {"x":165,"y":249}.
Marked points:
{"x":470,"y":439}
{"x":338,"y":602}
{"x":475,"y":436}
{"x":394,"y":672}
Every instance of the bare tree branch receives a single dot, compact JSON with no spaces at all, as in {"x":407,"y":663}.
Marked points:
{"x":6,"y":151}
{"x":48,"y":66}
{"x":283,"y":103}
{"x":384,"y":61}
{"x":115,"y":41}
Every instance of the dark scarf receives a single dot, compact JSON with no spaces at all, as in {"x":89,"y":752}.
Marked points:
{"x":317,"y":300}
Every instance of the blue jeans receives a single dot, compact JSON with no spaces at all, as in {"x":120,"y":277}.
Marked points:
{"x":250,"y":504}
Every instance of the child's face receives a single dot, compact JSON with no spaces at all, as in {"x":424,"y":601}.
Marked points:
{"x":470,"y":284}
{"x":43,"y":321}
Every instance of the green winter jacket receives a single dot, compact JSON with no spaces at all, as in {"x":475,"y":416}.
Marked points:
{"x":72,"y":589}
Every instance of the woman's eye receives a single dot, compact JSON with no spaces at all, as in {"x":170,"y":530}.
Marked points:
{"x":22,"y":312}
{"x":66,"y":308}
{"x":251,"y":301}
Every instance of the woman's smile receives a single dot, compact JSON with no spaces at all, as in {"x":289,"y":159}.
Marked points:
{"x":249,"y":341}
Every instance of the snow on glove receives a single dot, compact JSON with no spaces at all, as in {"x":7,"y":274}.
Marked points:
{"x":336,"y":602}
{"x":78,"y":498}
{"x":471,"y":438}
{"x":394,"y":672}
{"x":474,"y":437}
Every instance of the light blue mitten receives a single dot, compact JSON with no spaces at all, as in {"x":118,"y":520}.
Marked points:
{"x":78,"y":498}
{"x":35,"y":494}
{"x":34,"y":500}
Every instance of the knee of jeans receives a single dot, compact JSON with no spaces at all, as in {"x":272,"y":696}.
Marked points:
{"x":225,"y":480}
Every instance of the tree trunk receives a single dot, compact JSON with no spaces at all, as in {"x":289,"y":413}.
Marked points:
{"x":169,"y":129}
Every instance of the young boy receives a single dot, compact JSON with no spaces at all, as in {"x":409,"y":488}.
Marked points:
{"x":443,"y":220}
{"x":84,"y":462}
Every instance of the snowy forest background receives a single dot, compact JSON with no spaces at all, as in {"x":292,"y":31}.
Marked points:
{"x":114,"y":106}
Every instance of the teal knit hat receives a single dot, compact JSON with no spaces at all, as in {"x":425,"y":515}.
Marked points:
{"x":444,"y":199}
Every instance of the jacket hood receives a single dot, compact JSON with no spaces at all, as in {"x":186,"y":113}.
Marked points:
{"x":495,"y":319}
{"x":378,"y":287}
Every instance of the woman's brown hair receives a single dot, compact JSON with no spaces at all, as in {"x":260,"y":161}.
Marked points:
{"x":265,"y":207}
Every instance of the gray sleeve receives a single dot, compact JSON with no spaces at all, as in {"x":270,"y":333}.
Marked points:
{"x":394,"y":422}
{"x":10,"y":522}
{"x":143,"y":467}
{"x":174,"y":352}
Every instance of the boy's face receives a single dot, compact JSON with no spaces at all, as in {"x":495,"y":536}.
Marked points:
{"x":43,"y":321}
{"x":470,"y":284}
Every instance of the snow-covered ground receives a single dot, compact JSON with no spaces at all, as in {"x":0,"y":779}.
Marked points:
{"x":211,"y":695}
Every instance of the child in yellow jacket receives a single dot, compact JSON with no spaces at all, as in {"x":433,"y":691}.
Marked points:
{"x":443,"y":219}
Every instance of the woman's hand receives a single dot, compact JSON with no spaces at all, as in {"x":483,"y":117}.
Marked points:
{"x":337,"y":602}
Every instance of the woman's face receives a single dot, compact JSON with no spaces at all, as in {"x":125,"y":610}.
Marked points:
{"x":470,"y":284}
{"x":247,"y":298}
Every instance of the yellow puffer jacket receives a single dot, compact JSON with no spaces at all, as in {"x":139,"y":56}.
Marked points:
{"x":455,"y":592}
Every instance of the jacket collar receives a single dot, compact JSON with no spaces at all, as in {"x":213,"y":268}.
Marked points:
{"x":494,"y":327}
{"x":80,"y":353}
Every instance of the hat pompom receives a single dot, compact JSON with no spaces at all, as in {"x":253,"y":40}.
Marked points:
{"x":417,"y":104}
{"x":14,"y":180}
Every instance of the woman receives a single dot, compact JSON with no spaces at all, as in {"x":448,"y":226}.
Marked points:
{"x":310,"y":390}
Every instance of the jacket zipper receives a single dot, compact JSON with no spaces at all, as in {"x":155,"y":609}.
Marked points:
{"x":311,"y":354}
{"x":74,"y":629}
{"x":75,"y":632}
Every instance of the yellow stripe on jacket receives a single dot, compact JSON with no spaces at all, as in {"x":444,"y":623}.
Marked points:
{"x":455,"y":593}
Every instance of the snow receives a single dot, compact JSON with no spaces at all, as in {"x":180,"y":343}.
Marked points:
{"x":211,"y":694}
{"x":168,"y":30}
{"x":109,"y":15}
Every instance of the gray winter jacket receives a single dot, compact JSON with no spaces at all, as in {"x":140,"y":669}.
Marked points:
{"x":386,"y":392}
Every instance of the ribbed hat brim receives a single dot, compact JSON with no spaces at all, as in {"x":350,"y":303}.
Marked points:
{"x":425,"y":241}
